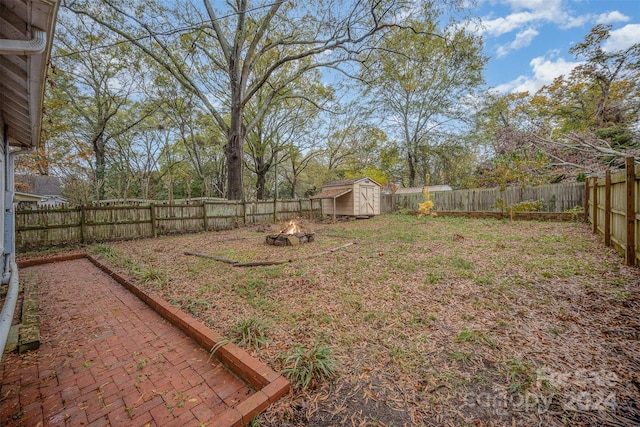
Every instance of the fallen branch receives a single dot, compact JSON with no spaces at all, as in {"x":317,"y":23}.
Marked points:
{"x":228,"y":261}
{"x":263,"y":263}
{"x":259,"y":263}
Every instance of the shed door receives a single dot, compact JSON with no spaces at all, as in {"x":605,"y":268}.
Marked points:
{"x":366,"y":200}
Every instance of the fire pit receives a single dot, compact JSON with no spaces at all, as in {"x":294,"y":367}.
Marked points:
{"x":292,"y":235}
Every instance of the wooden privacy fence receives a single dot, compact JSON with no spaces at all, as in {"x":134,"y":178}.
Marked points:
{"x":612,"y":207}
{"x":556,"y":197}
{"x":84,"y":224}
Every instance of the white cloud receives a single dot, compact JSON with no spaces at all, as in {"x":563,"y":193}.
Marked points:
{"x":525,"y":12}
{"x":499,"y":26}
{"x":523,"y":39}
{"x":538,"y":12}
{"x":611,"y":17}
{"x":544,"y":71}
{"x":536,"y":5}
{"x":622,"y":38}
{"x":575,"y":21}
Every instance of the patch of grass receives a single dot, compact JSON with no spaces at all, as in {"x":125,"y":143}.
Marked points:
{"x":307,"y":367}
{"x":105,"y":251}
{"x":460,"y":356}
{"x":462,"y":263}
{"x":484,"y":280}
{"x":555,"y":331}
{"x":434,"y":277}
{"x":621,"y":295}
{"x":467,"y":335}
{"x":152,"y":275}
{"x":192,"y":305}
{"x":519,"y":374}
{"x":274,"y":272}
{"x":250,"y":331}
{"x":252,"y":288}
{"x":130,"y":410}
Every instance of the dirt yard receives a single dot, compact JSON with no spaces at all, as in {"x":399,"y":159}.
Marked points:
{"x":429,"y":321}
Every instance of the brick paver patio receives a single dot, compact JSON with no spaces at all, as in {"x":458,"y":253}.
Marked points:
{"x":108,"y":359}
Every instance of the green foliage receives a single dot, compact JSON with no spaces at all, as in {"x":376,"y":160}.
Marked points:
{"x":307,"y":367}
{"x":250,"y":331}
{"x":522,"y":207}
{"x":152,"y":275}
{"x":577,"y":212}
{"x":105,"y":251}
{"x":519,"y":374}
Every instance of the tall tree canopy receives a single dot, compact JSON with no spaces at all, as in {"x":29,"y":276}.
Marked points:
{"x":581,"y":123}
{"x":420,"y":83}
{"x":226,"y":53}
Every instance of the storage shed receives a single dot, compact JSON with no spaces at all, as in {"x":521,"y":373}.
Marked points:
{"x":358,"y":197}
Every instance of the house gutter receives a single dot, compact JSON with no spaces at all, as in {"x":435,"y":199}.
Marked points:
{"x":35,"y":46}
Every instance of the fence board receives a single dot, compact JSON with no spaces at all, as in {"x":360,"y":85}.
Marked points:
{"x":49,"y":227}
{"x":556,"y":197}
{"x":623,"y":187}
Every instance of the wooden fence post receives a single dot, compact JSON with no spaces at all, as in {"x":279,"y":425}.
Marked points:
{"x":275,"y":210}
{"x":595,"y":204}
{"x":310,"y":209}
{"x":630,"y":258}
{"x":82,"y":225}
{"x":152,"y":214}
{"x":586,"y":200}
{"x":204,"y":215}
{"x":244,"y":212}
{"x":607,"y":208}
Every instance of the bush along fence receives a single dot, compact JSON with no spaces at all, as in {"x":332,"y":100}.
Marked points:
{"x":612,"y":207}
{"x":553,"y":198}
{"x":86,"y":224}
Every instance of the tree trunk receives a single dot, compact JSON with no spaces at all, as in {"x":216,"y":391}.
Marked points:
{"x":235,"y":142}
{"x":412,"y":170}
{"x":261,"y":178}
{"x":98,"y":149}
{"x":294,"y":182}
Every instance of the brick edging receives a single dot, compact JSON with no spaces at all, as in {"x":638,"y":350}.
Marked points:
{"x":524,"y":216}
{"x":270,"y":385}
{"x":39,"y":261}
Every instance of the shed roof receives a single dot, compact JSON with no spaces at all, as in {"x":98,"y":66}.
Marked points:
{"x":27,"y":197}
{"x":26,"y":34}
{"x":332,"y":193}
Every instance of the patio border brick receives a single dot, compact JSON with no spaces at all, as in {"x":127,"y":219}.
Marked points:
{"x":270,"y":385}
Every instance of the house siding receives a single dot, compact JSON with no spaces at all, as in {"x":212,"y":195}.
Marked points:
{"x":3,"y":184}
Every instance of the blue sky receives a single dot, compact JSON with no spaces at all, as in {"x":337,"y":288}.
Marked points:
{"x":528,"y":41}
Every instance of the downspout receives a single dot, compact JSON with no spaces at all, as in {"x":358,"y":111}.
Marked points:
{"x":6,"y":317}
{"x":35,"y":46}
{"x":10,"y":273}
{"x":9,"y":213}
